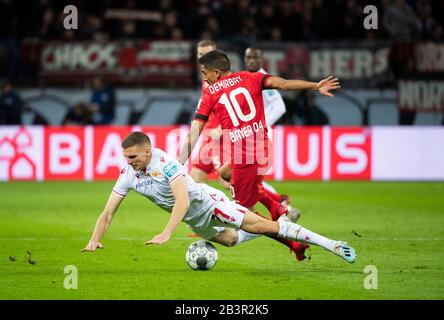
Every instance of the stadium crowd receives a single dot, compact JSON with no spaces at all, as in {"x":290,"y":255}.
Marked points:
{"x":229,"y":20}
{"x":241,"y":23}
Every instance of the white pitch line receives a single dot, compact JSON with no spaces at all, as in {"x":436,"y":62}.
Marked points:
{"x":190,"y":238}
{"x":399,"y":239}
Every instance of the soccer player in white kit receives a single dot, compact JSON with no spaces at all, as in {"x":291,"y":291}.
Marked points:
{"x":164,"y":181}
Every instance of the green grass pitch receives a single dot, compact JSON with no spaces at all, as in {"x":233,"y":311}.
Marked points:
{"x":396,"y":227}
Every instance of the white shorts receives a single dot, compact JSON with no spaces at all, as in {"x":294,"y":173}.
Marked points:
{"x":225,"y":213}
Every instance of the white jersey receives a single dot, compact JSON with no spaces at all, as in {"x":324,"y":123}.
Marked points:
{"x":274,"y":105}
{"x":154,"y":183}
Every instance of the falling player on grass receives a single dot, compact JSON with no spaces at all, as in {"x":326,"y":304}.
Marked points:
{"x":157,"y":176}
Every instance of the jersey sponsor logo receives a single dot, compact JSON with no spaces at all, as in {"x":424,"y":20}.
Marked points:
{"x":170,"y":169}
{"x":155,"y":174}
{"x":246,"y":131}
{"x":144,"y":184}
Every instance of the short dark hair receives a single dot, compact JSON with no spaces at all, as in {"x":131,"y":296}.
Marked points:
{"x":255,"y":49}
{"x":216,"y":59}
{"x":135,"y":138}
{"x":206,"y":43}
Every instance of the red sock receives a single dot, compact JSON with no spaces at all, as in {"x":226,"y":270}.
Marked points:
{"x":275,"y":196}
{"x":285,"y":242}
{"x":275,"y":208}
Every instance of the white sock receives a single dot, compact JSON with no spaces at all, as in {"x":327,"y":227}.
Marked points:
{"x":293,"y":231}
{"x":268,"y":187}
{"x":243,"y":236}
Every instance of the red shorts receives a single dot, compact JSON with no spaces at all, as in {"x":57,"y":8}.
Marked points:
{"x":246,"y":185}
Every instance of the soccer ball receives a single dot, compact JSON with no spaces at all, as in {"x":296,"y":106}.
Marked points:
{"x":201,"y":255}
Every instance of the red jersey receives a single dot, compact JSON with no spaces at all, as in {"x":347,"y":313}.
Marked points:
{"x":212,"y":122}
{"x":237,"y":102}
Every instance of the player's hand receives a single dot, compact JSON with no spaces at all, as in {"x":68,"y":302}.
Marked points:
{"x":92,"y":246}
{"x":330,"y":83}
{"x":159,"y":239}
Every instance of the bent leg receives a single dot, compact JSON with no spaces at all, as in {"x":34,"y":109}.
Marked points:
{"x":257,"y":224}
{"x":225,"y":172}
{"x":228,"y":237}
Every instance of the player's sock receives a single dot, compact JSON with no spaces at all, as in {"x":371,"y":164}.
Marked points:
{"x":297,"y":247}
{"x":293,"y":231}
{"x":275,"y":208}
{"x":268,"y":187}
{"x":243,"y":236}
{"x":292,"y":245}
{"x":273,"y":195}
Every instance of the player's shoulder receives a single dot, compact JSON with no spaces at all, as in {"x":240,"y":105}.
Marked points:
{"x":205,"y":91}
{"x":124,"y":169}
{"x":253,"y":76}
{"x":161,"y":157}
{"x":167,"y":164}
{"x":245,"y":74}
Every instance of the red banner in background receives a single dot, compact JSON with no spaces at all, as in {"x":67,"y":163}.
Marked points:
{"x":160,"y":63}
{"x":64,"y":153}
{"x":350,"y":154}
{"x":94,"y":153}
{"x":303,"y":157}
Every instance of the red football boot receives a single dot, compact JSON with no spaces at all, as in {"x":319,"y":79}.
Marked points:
{"x":299,"y":249}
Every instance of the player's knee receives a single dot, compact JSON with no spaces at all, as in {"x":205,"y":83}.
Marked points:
{"x":225,"y":174}
{"x":227,"y":238}
{"x":230,"y":243}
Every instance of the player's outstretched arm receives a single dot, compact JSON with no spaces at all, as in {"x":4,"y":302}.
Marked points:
{"x":181,"y":205}
{"x":103,"y":222}
{"x":191,"y":140}
{"x":324,"y":86}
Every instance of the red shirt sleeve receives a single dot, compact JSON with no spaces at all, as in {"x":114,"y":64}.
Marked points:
{"x":204,"y":108}
{"x":260,"y":79}
{"x":264,"y":84}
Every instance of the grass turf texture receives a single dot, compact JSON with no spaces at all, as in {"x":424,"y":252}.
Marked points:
{"x":400,"y":224}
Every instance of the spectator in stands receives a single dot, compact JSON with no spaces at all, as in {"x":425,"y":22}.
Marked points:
{"x":429,"y":26}
{"x":78,"y":115}
{"x":401,"y":22}
{"x":102,"y":102}
{"x":8,"y":40}
{"x":11,"y":105}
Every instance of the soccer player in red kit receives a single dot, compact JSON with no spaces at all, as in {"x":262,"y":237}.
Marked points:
{"x":206,"y":163}
{"x":236,"y":99}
